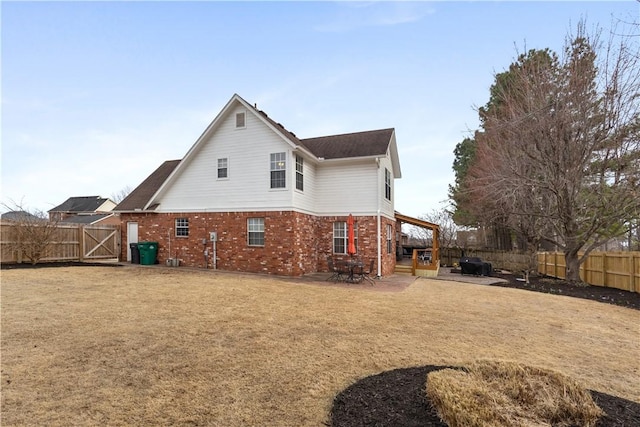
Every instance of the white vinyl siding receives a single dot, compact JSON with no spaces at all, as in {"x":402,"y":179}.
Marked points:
{"x":330,"y":187}
{"x":197,"y":187}
{"x":346,"y":187}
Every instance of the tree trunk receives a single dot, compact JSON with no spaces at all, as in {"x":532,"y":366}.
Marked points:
{"x":572,"y":262}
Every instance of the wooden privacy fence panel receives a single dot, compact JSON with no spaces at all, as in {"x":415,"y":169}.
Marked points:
{"x":620,"y":270}
{"x":69,"y":243}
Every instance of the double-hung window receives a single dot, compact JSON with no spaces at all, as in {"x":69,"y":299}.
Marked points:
{"x":182,"y":227}
{"x":299,"y":173}
{"x":255,"y":231}
{"x":389,"y":238}
{"x":387,"y":184}
{"x":223,"y":168}
{"x":278,"y":170}
{"x":341,"y":237}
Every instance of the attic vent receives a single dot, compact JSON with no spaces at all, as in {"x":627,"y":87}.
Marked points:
{"x":240,"y":120}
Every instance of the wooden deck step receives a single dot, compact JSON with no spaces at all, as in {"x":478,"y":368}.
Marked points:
{"x":403,"y":269}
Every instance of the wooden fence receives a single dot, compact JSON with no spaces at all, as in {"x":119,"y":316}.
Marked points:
{"x":620,"y":270}
{"x":69,"y":243}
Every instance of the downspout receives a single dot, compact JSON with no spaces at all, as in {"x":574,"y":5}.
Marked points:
{"x":378,"y":239}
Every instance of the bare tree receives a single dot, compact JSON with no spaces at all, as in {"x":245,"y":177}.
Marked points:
{"x":447,"y":228}
{"x":559,"y":156}
{"x":31,"y":235}
{"x":122,"y":194}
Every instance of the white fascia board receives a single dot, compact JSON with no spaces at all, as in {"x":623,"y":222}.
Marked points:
{"x":395,"y":159}
{"x":349,"y":159}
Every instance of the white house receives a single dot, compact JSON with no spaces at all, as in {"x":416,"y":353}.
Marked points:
{"x":272,"y":202}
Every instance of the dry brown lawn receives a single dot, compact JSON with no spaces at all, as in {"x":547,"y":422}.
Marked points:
{"x":158,"y":346}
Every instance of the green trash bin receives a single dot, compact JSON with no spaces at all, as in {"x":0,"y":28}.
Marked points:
{"x":148,"y":252}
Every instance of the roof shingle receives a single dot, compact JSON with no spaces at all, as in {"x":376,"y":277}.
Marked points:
{"x":358,"y":144}
{"x":80,"y":204}
{"x":139,"y":197}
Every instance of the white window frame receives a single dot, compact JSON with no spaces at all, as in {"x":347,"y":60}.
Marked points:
{"x":218,"y":168}
{"x":389,"y":239}
{"x":341,"y":236}
{"x":255,"y":229}
{"x":278,"y":164}
{"x":182,"y":227}
{"x":387,"y":184}
{"x":299,"y":173}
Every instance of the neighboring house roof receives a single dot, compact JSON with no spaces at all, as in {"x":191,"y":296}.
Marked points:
{"x":80,"y":204}
{"x":17,"y":216}
{"x":86,"y":219}
{"x":139,"y":197}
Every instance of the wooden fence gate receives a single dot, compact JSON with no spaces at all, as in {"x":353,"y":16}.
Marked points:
{"x":100,"y":242}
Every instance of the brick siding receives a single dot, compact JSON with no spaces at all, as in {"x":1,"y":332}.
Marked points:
{"x":294,"y":243}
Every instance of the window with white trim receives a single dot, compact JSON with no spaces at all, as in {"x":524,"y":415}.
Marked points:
{"x":387,"y":184}
{"x":389,"y":238}
{"x":240,"y":120}
{"x":278,"y":167}
{"x":182,"y":227}
{"x":341,"y":237}
{"x":255,"y":231}
{"x":299,"y":173}
{"x":223,"y":168}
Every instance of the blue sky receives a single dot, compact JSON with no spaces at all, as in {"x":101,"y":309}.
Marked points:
{"x":96,"y":95}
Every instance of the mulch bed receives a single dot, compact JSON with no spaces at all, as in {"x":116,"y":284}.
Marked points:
{"x":397,"y":398}
{"x":57,"y":264}
{"x":555,"y":286}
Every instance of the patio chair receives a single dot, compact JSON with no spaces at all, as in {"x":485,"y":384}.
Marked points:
{"x":366,"y":274}
{"x":336,"y":274}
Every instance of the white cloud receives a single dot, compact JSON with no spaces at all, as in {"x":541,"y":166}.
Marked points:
{"x":354,"y":15}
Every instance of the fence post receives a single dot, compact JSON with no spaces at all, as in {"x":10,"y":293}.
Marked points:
{"x":632,"y":272}
{"x":81,"y":243}
{"x":604,"y":270}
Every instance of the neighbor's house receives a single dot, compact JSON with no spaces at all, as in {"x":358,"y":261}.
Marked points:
{"x":276,"y":203}
{"x":87,"y":210}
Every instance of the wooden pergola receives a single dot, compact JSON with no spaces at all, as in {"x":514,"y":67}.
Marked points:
{"x":434,"y":265}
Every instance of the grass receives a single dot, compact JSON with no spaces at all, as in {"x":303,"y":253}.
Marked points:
{"x":156,"y":346}
{"x":509,"y":394}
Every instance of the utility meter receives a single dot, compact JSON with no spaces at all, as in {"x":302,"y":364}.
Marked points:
{"x":213,"y":236}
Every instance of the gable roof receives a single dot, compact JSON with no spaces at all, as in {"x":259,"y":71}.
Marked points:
{"x":139,"y":197}
{"x":80,"y":204}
